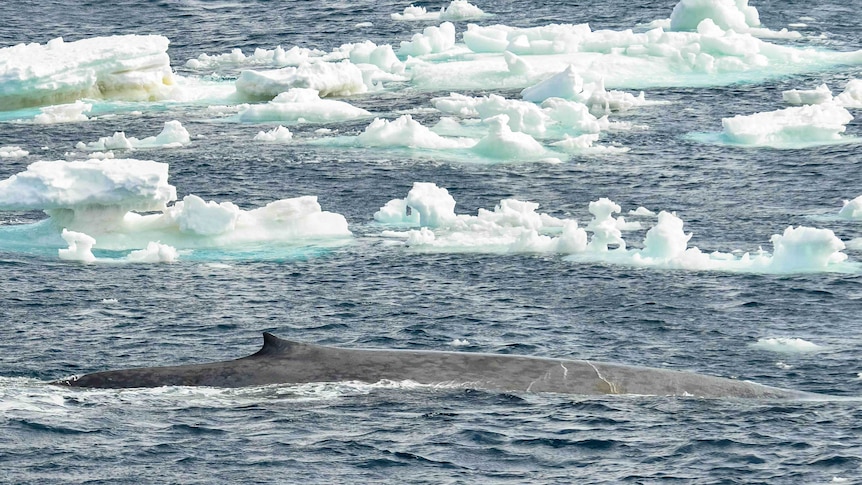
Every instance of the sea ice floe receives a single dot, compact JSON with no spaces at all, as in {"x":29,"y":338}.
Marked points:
{"x":406,"y":132}
{"x":301,"y":105}
{"x":786,"y":345}
{"x":122,"y":204}
{"x":568,"y":85}
{"x":456,"y":10}
{"x":279,"y":134}
{"x":13,"y":152}
{"x":496,"y":142}
{"x":727,"y":14}
{"x":327,"y":78}
{"x":515,"y":226}
{"x":277,"y":57}
{"x":797,"y":126}
{"x":707,"y":55}
{"x":173,"y":135}
{"x":128,"y":67}
{"x":851,"y":97}
{"x":126,"y":185}
{"x":798,"y":97}
{"x":852,"y":209}
{"x":81,"y":249}
{"x":63,"y":113}
{"x":432,"y":40}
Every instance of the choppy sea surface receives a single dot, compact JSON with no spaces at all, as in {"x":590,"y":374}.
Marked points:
{"x":60,"y":318}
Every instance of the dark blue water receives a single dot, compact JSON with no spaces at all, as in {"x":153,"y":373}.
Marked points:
{"x":59,"y":319}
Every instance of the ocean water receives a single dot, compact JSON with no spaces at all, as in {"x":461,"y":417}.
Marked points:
{"x":62,"y":318}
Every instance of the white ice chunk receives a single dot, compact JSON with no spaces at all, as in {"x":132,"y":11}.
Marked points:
{"x":173,"y":135}
{"x":80,"y":247}
{"x":127,"y":184}
{"x":279,"y":134}
{"x":727,"y":14}
{"x":193,"y":215}
{"x":786,"y":127}
{"x":798,"y":97}
{"x":806,"y":249}
{"x":302,"y":105}
{"x":516,"y":226}
{"x":786,"y":345}
{"x":851,"y":97}
{"x":566,"y":84}
{"x":103,"y":198}
{"x":456,"y":10}
{"x":504,"y":144}
{"x":278,"y":57}
{"x":127,"y":67}
{"x":406,"y":132}
{"x":604,"y":226}
{"x":381,"y":56}
{"x":155,"y":252}
{"x":513,"y":225}
{"x":327,"y":78}
{"x":13,"y":152}
{"x":432,"y":39}
{"x":63,"y":113}
{"x":852,"y":209}
{"x":461,"y":10}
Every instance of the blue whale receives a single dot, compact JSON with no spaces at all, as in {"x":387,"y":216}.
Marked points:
{"x":287,"y":362}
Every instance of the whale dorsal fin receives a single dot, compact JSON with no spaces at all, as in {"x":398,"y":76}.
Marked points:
{"x":273,"y":345}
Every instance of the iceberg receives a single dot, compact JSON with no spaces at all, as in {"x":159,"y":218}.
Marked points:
{"x":125,"y":67}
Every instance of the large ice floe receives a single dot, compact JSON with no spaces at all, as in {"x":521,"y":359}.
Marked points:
{"x":122,"y":205}
{"x":426,"y":221}
{"x":131,"y":67}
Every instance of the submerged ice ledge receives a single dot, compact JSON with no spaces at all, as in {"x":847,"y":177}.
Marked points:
{"x":516,"y":227}
{"x":122,"y":204}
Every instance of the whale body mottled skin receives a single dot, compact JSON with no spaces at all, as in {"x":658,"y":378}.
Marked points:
{"x":288,"y":362}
